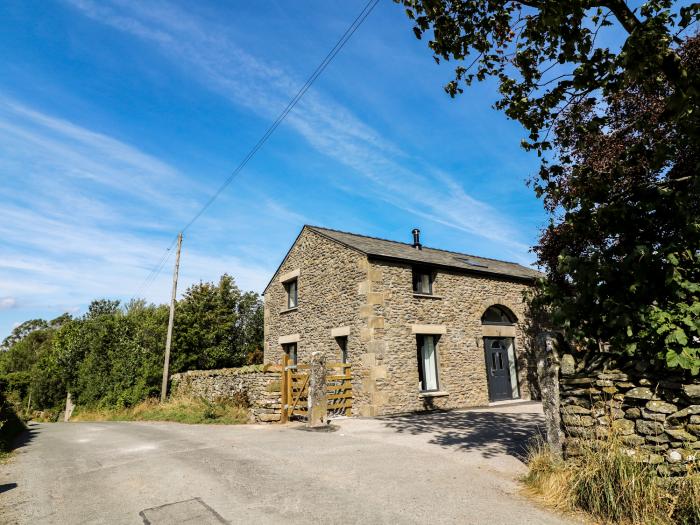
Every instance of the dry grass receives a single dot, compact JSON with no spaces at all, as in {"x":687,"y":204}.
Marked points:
{"x":180,"y":410}
{"x":612,"y":486}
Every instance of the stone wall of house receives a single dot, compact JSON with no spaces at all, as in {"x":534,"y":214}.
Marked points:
{"x":389,"y":366}
{"x":655,"y":414}
{"x":329,"y":297}
{"x":374,"y":300}
{"x":257,"y":386}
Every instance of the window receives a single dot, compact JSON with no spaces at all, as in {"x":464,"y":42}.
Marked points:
{"x":422,"y":281}
{"x":291,"y":350}
{"x":498,"y":315}
{"x":291,"y":287}
{"x":343,"y":345}
{"x":427,"y":363}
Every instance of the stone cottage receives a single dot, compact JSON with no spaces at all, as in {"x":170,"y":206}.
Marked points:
{"x":421,"y":328}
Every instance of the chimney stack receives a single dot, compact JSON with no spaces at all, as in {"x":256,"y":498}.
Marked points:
{"x":416,"y":239}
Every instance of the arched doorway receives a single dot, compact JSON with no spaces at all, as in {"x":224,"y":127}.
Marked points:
{"x":499,"y":347}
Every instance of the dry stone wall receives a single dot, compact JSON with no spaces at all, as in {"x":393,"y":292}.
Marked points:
{"x":655,"y":415}
{"x":257,"y":386}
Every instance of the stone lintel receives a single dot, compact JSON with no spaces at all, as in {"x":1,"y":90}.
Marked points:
{"x":286,"y":339}
{"x":493,"y":330}
{"x":428,"y":329}
{"x":341,"y":331}
{"x":289,"y":276}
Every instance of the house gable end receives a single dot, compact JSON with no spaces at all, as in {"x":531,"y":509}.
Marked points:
{"x":311,"y":229}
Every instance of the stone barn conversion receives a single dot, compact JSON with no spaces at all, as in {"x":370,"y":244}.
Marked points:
{"x":422,"y":328}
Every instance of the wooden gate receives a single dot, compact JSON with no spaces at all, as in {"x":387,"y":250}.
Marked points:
{"x":339,"y":389}
{"x":295,"y":390}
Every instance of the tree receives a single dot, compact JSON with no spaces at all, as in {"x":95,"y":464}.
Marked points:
{"x":113,"y":355}
{"x":22,"y":331}
{"x":622,"y":249}
{"x":100,"y":307}
{"x":215,"y":326}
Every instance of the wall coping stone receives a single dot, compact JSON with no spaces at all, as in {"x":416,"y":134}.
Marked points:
{"x":249,"y":369}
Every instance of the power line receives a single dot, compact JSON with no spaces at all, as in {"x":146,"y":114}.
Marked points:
{"x":155,"y":271}
{"x":270,"y":130}
{"x":356,"y":23}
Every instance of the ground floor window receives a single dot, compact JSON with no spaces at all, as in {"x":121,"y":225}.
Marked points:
{"x":427,"y":363}
{"x":291,"y":351}
{"x":343,"y":345}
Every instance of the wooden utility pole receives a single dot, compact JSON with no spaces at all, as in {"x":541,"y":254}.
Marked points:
{"x":169,"y":338}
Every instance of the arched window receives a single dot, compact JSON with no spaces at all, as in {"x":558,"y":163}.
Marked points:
{"x":498,"y":314}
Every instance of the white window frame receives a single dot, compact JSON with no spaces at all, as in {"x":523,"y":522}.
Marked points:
{"x":288,"y":286}
{"x":293,"y":357}
{"x":425,"y":386}
{"x":419,"y":277}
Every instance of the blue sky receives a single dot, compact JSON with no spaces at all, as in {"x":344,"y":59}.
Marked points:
{"x":118,"y":119}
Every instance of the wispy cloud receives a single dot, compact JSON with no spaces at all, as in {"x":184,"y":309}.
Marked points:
{"x":85,"y":215}
{"x":383,"y":169}
{"x":7,"y":302}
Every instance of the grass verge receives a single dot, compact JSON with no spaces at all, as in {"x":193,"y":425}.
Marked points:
{"x":180,"y":410}
{"x":613,"y":486}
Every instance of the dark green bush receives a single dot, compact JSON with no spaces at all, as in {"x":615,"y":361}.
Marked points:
{"x":10,"y":424}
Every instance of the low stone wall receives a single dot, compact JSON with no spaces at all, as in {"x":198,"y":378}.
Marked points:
{"x":257,"y":386}
{"x":656,"y":415}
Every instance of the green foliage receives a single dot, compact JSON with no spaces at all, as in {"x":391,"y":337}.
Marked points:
{"x":218,"y":326}
{"x":113,"y":355}
{"x":618,"y":133}
{"x":10,"y":425}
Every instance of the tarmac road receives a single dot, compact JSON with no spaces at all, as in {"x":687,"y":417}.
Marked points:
{"x":454,"y":467}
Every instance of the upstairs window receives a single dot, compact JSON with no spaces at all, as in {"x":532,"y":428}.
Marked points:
{"x":422,"y":281}
{"x":291,"y":288}
{"x":498,"y":315}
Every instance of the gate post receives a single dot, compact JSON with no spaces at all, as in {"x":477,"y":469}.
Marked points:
{"x":318,"y":400}
{"x":284,"y":380}
{"x":548,"y":376}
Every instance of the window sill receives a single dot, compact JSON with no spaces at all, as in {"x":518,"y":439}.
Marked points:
{"x":294,"y":309}
{"x":426,"y":296}
{"x":437,"y":393}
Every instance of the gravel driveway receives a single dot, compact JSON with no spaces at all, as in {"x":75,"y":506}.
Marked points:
{"x":453,"y":467}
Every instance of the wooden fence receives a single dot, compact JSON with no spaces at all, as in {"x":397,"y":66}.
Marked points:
{"x":295,"y":390}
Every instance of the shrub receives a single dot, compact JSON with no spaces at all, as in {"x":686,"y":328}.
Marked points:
{"x":10,"y":425}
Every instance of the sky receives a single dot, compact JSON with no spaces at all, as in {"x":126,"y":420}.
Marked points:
{"x":119,"y":119}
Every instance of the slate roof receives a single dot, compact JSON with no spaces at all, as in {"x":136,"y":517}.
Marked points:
{"x":399,"y":251}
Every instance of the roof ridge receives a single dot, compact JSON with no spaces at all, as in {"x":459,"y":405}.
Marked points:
{"x":409,"y":244}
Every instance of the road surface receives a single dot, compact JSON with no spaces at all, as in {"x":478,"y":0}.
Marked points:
{"x":455,"y":467}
